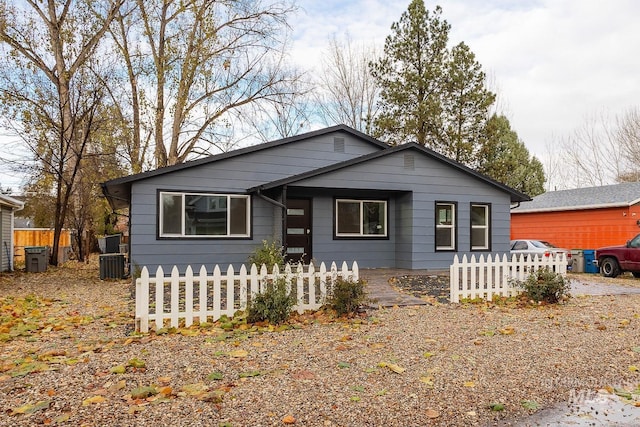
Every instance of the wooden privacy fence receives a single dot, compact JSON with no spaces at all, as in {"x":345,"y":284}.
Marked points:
{"x":205,"y":296}
{"x":484,"y":278}
{"x":38,"y":237}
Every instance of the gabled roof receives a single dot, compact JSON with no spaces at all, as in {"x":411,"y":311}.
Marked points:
{"x":608,"y":196}
{"x":118,"y":190}
{"x":516,"y":196}
{"x":11,"y":202}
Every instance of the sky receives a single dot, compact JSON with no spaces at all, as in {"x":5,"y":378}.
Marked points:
{"x":553,"y":63}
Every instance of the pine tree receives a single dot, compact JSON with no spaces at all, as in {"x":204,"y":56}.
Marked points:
{"x":506,"y":159}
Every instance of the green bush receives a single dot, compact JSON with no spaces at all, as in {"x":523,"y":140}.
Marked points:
{"x":269,"y":254}
{"x":273,"y":305}
{"x":546,"y":285}
{"x":346,"y":296}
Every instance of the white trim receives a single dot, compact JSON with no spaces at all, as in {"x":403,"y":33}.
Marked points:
{"x":577,"y":208}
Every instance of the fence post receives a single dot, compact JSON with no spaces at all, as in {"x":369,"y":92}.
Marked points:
{"x":188,"y":297}
{"x":203,"y":284}
{"x":142,"y":301}
{"x":159,"y":317}
{"x":216,"y":292}
{"x":243,"y":287}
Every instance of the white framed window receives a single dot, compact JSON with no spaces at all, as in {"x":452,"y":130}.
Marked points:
{"x":480,"y":227}
{"x":445,"y":226}
{"x":361,"y":218}
{"x":203,"y":215}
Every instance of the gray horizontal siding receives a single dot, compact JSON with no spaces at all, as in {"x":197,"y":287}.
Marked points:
{"x":5,"y":238}
{"x":414,"y":236}
{"x":412,"y":194}
{"x":233,"y":175}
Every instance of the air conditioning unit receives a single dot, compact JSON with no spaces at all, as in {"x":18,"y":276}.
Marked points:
{"x":112,"y":266}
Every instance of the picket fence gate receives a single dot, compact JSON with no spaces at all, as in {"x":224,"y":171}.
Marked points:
{"x":484,"y":278}
{"x":177,"y":297}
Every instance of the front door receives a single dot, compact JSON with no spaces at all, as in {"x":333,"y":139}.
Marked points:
{"x":298,"y":234}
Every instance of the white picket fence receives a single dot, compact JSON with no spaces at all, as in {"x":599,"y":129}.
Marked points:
{"x":484,"y":278}
{"x":205,"y":296}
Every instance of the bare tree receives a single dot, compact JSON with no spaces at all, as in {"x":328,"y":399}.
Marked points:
{"x":49,"y":86}
{"x":628,"y":135}
{"x":197,"y":62}
{"x":594,"y":153}
{"x":347,"y":90}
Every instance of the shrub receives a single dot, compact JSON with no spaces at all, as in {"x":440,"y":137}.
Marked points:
{"x":273,"y":304}
{"x":269,"y":254}
{"x":346,"y":296}
{"x":546,"y":285}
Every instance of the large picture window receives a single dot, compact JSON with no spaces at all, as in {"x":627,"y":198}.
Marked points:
{"x":204,"y":215}
{"x":480,"y":227}
{"x":445,"y":226}
{"x":361,"y":218}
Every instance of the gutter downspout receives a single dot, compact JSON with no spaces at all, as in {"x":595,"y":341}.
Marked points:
{"x":280,"y":205}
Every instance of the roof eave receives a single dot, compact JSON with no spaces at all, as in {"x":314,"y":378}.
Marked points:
{"x":574,"y":208}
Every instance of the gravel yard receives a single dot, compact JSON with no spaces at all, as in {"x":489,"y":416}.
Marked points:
{"x":68,"y":357}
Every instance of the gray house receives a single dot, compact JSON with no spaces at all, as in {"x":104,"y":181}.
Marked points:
{"x":7,"y":207}
{"x":331,"y":195}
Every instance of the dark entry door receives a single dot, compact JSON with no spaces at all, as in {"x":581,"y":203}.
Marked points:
{"x":298,"y":230}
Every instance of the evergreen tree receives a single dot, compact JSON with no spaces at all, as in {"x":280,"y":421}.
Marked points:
{"x":466,"y":103}
{"x":429,"y":94}
{"x":506,"y":159}
{"x":411,"y":77}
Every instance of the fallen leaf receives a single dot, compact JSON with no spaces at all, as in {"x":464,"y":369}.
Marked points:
{"x":289,"y":419}
{"x":120,"y":369}
{"x":143,"y":392}
{"x":93,"y":400}
{"x":238,"y":353}
{"x":392,"y":366}
{"x":432,"y":413}
{"x":469,"y":384}
{"x":31,"y":408}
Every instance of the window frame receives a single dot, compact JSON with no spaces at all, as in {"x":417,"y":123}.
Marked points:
{"x":486,"y":227}
{"x":453,"y":227}
{"x":361,"y":234}
{"x":160,"y":235}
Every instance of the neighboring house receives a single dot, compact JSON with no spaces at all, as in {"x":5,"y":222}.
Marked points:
{"x":331,"y":195}
{"x":8,"y":205}
{"x":583,"y":218}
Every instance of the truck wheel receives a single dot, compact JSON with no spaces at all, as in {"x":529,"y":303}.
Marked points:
{"x":609,"y":267}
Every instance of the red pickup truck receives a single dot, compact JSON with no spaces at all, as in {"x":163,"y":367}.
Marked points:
{"x":614,"y":260}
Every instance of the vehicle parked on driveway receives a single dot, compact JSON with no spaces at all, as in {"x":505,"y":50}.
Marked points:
{"x":614,"y":260}
{"x":539,"y":248}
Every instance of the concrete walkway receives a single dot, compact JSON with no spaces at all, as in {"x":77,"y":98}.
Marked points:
{"x":380,"y":291}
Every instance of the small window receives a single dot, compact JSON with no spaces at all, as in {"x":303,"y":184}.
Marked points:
{"x":445,"y":226}
{"x":480,"y":227}
{"x":203,"y":215}
{"x":361,"y":218}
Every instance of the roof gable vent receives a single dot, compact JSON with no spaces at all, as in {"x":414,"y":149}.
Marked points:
{"x":409,"y":161}
{"x":338,"y":145}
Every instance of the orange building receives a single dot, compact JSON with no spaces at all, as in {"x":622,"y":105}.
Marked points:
{"x":583,"y":218}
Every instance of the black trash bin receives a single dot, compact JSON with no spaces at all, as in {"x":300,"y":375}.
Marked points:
{"x":112,"y":266}
{"x":35,"y":258}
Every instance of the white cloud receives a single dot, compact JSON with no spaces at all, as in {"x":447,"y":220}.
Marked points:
{"x":554,"y":62}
